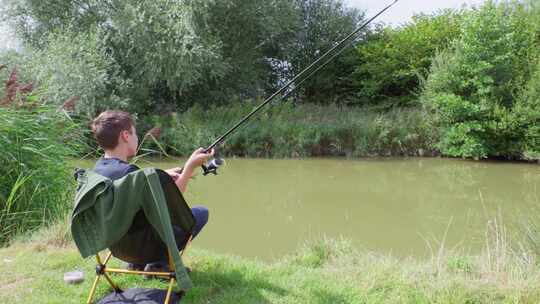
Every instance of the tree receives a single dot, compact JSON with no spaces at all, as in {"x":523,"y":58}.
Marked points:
{"x":527,"y":113}
{"x":34,"y":19}
{"x":473,"y":87}
{"x":319,"y":25}
{"x":251,"y":35}
{"x":163,"y":51}
{"x":157,"y":44}
{"x":393,"y":61}
{"x":174,"y":54}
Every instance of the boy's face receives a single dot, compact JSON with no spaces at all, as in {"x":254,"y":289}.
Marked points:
{"x":130,"y":139}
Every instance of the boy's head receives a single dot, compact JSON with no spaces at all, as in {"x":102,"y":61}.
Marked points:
{"x":115,"y":131}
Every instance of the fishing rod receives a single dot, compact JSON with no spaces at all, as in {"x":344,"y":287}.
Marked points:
{"x":300,"y":78}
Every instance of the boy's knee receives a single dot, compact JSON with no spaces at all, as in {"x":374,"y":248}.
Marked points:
{"x":200,"y":213}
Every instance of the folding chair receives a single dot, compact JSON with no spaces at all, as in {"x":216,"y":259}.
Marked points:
{"x":142,"y":245}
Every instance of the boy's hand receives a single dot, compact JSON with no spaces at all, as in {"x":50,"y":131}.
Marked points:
{"x":198,"y":158}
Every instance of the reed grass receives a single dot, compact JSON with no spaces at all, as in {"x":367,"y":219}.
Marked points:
{"x":285,"y":130}
{"x":35,"y":184}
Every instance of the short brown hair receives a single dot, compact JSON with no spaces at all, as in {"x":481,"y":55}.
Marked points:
{"x":108,"y":125}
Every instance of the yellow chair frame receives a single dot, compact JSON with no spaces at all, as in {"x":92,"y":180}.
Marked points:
{"x":103,"y":270}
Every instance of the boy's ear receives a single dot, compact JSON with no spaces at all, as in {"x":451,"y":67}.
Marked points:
{"x":124,"y":136}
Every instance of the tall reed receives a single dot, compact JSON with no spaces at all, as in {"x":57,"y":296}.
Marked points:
{"x":35,"y":181}
{"x":285,"y":130}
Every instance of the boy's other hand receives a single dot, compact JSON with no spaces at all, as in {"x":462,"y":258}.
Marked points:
{"x":198,"y":158}
{"x":174,"y":172}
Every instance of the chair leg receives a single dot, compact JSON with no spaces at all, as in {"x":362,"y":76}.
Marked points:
{"x":113,"y":285}
{"x":102,"y":266}
{"x":187,"y":245}
{"x":101,"y":270}
{"x":169,"y":291}
{"x":93,"y":290}
{"x":172,"y":268}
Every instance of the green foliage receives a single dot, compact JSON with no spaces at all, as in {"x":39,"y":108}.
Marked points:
{"x":150,"y":52}
{"x":299,"y":131}
{"x":251,"y":35}
{"x":173,"y":54}
{"x":34,"y":19}
{"x":162,"y":50}
{"x":472,"y":88}
{"x":73,"y":66}
{"x":77,"y":65}
{"x":35,"y":140}
{"x":394,"y":60}
{"x":161,"y":57}
{"x":319,"y":24}
{"x":527,"y":113}
{"x":34,"y":144}
{"x":460,"y":264}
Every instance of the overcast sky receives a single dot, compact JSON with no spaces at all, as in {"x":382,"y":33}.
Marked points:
{"x":402,"y":11}
{"x":6,"y":38}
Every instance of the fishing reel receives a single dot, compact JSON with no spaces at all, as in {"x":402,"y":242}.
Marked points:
{"x":212,"y":166}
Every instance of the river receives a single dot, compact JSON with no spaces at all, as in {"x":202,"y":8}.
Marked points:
{"x":266,"y":208}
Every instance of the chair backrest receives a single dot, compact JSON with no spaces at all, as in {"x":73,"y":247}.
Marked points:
{"x":142,"y":244}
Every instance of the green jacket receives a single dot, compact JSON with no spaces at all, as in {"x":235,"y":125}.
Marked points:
{"x":104,"y":211}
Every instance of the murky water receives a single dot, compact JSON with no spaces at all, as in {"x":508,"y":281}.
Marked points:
{"x":267,"y":208}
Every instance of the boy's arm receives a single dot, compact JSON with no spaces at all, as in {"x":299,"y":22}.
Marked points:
{"x":195,"y":160}
{"x":182,"y":179}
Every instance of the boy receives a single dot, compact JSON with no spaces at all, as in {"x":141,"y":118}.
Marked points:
{"x":115,"y":133}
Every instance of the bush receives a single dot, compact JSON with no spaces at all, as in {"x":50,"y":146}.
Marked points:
{"x":472,"y":88}
{"x":527,"y":113}
{"x":394,"y":60}
{"x":35,"y":140}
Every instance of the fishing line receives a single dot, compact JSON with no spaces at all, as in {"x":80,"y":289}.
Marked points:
{"x":300,"y":78}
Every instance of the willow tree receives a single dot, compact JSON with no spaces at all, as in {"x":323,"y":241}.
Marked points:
{"x":170,"y":54}
{"x":158,"y":45}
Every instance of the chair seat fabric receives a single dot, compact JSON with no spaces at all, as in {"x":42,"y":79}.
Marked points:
{"x":133,"y":216}
{"x":142,"y":244}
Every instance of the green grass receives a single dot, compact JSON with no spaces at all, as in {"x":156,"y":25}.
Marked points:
{"x":330,"y":271}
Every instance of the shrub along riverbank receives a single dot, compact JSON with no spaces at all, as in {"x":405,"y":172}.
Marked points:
{"x":326,"y":272}
{"x":285,"y":130}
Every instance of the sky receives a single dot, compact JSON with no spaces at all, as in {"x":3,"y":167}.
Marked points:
{"x":403,"y":10}
{"x":6,"y":38}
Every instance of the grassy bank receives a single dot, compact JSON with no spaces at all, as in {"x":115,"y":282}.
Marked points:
{"x":285,"y":130}
{"x":330,"y":271}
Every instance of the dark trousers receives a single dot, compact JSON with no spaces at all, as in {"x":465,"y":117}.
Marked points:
{"x":200,"y":214}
